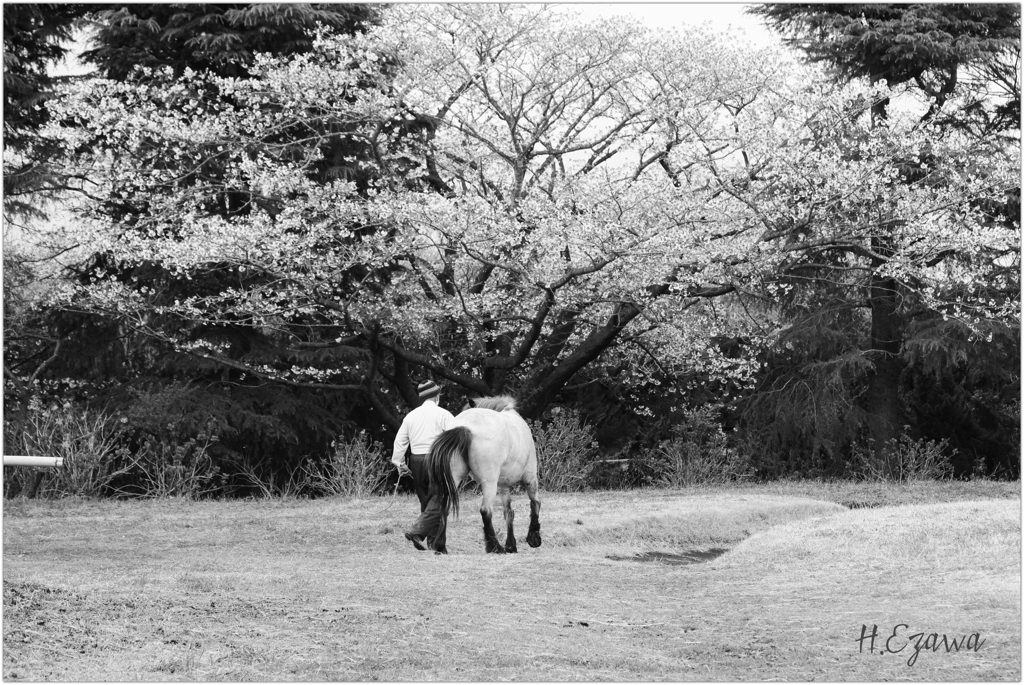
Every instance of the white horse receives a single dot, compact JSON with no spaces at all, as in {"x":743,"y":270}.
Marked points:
{"x":494,"y":443}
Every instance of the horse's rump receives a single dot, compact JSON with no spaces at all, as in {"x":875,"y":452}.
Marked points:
{"x":502,"y":445}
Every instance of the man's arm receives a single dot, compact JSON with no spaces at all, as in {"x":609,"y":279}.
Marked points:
{"x":401,"y":444}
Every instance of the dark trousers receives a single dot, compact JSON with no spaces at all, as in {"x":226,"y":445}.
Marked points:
{"x":429,"y":521}
{"x":420,"y":478}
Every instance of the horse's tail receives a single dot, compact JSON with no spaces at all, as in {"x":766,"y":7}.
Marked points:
{"x":452,"y":441}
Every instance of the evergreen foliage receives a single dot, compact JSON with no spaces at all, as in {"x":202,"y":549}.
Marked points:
{"x":898,"y":43}
{"x":927,"y":44}
{"x":221,"y":38}
{"x":35,"y":40}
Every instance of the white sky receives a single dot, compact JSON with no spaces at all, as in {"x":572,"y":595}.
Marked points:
{"x":721,"y":15}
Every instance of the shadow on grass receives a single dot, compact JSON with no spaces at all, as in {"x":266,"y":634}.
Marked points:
{"x":682,"y":559}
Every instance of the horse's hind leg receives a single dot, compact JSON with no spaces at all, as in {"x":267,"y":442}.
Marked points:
{"x":533,"y":535}
{"x":510,"y":536}
{"x":491,"y":543}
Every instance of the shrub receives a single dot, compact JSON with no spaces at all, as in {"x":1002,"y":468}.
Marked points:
{"x":908,"y":460}
{"x":268,"y":480}
{"x":355,"y":468}
{"x":698,"y":453}
{"x":565,"y":447}
{"x":177,"y":469}
{"x":88,"y":442}
{"x":264,"y":433}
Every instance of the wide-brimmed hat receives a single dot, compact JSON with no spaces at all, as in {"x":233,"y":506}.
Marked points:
{"x":428,"y":389}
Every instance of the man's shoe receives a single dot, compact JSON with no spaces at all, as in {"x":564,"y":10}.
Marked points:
{"x":418,"y":541}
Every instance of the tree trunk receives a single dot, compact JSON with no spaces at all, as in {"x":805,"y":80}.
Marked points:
{"x":37,"y":480}
{"x":883,"y":393}
{"x":882,"y":398}
{"x":551,"y":378}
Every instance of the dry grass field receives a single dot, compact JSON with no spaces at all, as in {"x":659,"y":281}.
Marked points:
{"x":330,"y":590}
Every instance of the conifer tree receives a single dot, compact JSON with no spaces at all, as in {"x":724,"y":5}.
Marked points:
{"x":927,"y":45}
{"x":940,"y":50}
{"x":222,"y":38}
{"x":35,"y":40}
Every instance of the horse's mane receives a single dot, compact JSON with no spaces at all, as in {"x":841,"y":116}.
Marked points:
{"x":497,"y":403}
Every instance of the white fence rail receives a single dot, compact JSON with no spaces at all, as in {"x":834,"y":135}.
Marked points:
{"x":33,"y":461}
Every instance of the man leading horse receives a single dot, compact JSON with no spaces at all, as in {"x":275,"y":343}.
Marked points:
{"x":489,"y":441}
{"x":418,"y":431}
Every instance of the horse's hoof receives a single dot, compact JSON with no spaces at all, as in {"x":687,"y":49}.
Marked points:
{"x":441,"y":551}
{"x":533,"y":539}
{"x":510,"y":547}
{"x":419,"y":541}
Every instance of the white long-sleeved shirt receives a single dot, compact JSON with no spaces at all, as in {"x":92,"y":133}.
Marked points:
{"x":419,"y":430}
